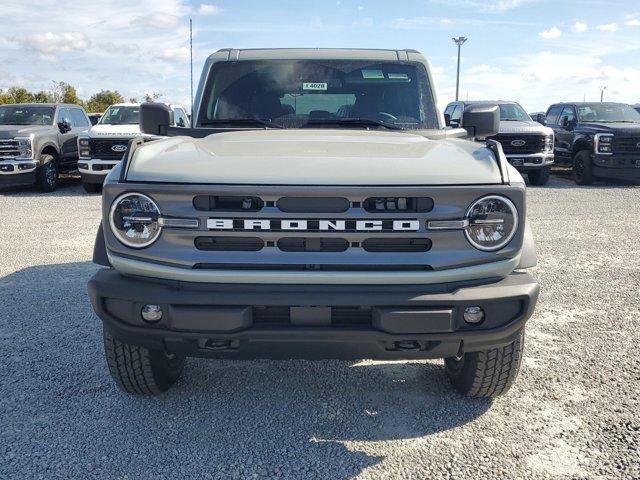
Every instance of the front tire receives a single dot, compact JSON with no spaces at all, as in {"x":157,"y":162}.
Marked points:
{"x":92,"y":187}
{"x":583,"y":168}
{"x":487,"y":373}
{"x":540,"y":176}
{"x":139,"y":370}
{"x":47,"y":174}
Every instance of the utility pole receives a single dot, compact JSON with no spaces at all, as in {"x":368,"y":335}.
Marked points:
{"x":191,"y":63}
{"x":459,"y":42}
{"x":602,"y":89}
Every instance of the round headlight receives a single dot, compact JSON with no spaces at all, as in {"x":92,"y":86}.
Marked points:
{"x":134,"y":220}
{"x":493,"y":221}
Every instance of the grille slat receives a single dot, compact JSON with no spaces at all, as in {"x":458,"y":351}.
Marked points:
{"x":628,"y":145}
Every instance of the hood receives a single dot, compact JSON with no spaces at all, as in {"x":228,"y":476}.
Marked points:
{"x":99,"y":130}
{"x":314,"y":157}
{"x":524,"y":127}
{"x":11,"y":131}
{"x":616,"y":127}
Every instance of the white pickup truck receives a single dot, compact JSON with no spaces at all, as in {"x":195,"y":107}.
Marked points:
{"x":105,"y":143}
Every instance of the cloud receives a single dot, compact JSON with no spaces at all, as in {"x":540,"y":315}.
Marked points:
{"x":446,"y":21}
{"x":482,"y":68}
{"x":50,"y":43}
{"x":608,"y":27}
{"x":580,"y":27}
{"x":553,"y":32}
{"x":634,"y":22}
{"x":492,"y":6}
{"x":208,"y":9}
{"x":180,"y":54}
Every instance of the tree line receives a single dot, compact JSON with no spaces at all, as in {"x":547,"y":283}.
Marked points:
{"x":62,"y":92}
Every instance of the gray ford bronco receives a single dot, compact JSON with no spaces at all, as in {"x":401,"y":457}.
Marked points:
{"x":38,"y":142}
{"x":318,"y":208}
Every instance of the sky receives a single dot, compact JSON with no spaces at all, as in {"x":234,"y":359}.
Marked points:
{"x":533,"y":51}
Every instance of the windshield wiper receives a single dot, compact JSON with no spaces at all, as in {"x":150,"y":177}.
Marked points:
{"x":364,"y":122}
{"x":242,"y":121}
{"x":511,"y":120}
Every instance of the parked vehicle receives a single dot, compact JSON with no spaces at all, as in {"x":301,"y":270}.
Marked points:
{"x":94,"y":117}
{"x":527,"y":144}
{"x":105,"y":143}
{"x":318,"y":209}
{"x":539,"y":117}
{"x":598,"y":140}
{"x":38,"y":142}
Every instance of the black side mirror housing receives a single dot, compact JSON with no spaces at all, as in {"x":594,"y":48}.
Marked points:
{"x":540,"y":118}
{"x":447,"y":119}
{"x":64,"y":126}
{"x":155,"y":118}
{"x":481,"y":122}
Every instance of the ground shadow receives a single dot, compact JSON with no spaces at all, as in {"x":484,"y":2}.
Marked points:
{"x":562,"y":177}
{"x":294,"y":419}
{"x":68,"y":185}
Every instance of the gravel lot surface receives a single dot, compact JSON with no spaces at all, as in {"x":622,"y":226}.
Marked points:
{"x":573,"y":413}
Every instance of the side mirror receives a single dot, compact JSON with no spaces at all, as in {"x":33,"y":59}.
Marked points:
{"x":540,"y":118}
{"x":481,"y":122}
{"x":155,"y":118}
{"x":568,"y":124}
{"x":447,"y":119}
{"x":64,"y":126}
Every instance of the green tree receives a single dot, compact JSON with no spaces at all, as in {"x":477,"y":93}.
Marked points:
{"x":16,"y":95}
{"x":42,"y":97}
{"x":152,"y":97}
{"x":101,"y":100}
{"x":65,"y":93}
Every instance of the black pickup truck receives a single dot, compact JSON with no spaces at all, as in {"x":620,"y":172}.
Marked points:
{"x":599,"y":140}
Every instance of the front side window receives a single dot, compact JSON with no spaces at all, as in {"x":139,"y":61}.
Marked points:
{"x":608,"y":113}
{"x":26,"y":115}
{"x":78,"y":118}
{"x":512,"y":112}
{"x":553,"y":115}
{"x":568,"y":115}
{"x":313,"y":93}
{"x":118,"y":115}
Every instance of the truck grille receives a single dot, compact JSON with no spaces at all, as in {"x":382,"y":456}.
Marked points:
{"x":626,"y":144}
{"x":102,"y":148}
{"x":532,"y":143}
{"x":9,"y":149}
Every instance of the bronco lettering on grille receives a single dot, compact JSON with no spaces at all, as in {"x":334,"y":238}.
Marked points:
{"x":320,"y":225}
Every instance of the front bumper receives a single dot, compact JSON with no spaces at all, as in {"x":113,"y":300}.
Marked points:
{"x":95,"y":170}
{"x":18,"y":172}
{"x":531,"y":161}
{"x":313,"y":321}
{"x":617,"y":167}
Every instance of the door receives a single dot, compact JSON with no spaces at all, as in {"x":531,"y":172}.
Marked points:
{"x":564,"y":133}
{"x":66,"y":139}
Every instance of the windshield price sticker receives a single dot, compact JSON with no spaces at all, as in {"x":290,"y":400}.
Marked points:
{"x":372,"y":74}
{"x":314,"y":86}
{"x":398,"y":76}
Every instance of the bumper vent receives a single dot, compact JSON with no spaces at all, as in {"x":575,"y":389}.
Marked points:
{"x":313,"y":244}
{"x":396,"y":244}
{"x":229,"y":244}
{"x":340,"y":316}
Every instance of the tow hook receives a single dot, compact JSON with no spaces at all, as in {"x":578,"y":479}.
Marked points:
{"x":407,"y":345}
{"x":213,"y":344}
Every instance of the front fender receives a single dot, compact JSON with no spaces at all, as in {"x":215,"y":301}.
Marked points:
{"x":529,"y":256}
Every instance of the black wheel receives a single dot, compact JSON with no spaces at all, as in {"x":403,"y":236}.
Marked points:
{"x":488,"y":373}
{"x":139,"y":370}
{"x":583,"y":168}
{"x":92,"y":187}
{"x":539,"y":176}
{"x":47,"y":174}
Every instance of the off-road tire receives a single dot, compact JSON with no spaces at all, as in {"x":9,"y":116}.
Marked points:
{"x":539,"y":176}
{"x":488,"y":373}
{"x":138,"y":370}
{"x":92,"y":187}
{"x":47,"y":174}
{"x":583,"y":168}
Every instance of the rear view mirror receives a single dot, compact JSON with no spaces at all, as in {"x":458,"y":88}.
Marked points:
{"x":155,"y":118}
{"x":481,"y":122}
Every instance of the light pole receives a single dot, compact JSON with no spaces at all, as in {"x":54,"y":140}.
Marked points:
{"x":602,"y":89}
{"x":459,"y":42}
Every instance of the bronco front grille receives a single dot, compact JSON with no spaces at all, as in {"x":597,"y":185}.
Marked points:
{"x":102,"y":148}
{"x":626,"y":144}
{"x":524,"y":144}
{"x":9,"y":149}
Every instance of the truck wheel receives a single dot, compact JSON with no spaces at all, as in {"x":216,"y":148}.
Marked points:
{"x":488,"y":373}
{"x":139,"y":370}
{"x":47,"y":174}
{"x":539,"y":176}
{"x":92,"y":187}
{"x":583,"y":168}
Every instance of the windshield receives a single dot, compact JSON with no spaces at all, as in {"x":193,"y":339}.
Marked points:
{"x":608,"y":113}
{"x":319,"y":93}
{"x":121,"y":116}
{"x":512,"y":112}
{"x":26,"y":115}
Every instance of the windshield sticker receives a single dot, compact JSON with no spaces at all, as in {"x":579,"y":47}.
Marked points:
{"x":372,"y":74}
{"x":314,"y":86}
{"x":398,"y":76}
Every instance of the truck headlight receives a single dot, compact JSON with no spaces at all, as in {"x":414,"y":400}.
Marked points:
{"x":493,"y":221}
{"x":603,"y":143}
{"x":24,"y":147}
{"x":134,"y":220}
{"x":84,"y":148}
{"x":548,"y":143}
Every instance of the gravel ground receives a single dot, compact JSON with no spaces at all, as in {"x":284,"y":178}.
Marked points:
{"x":573,"y":413}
